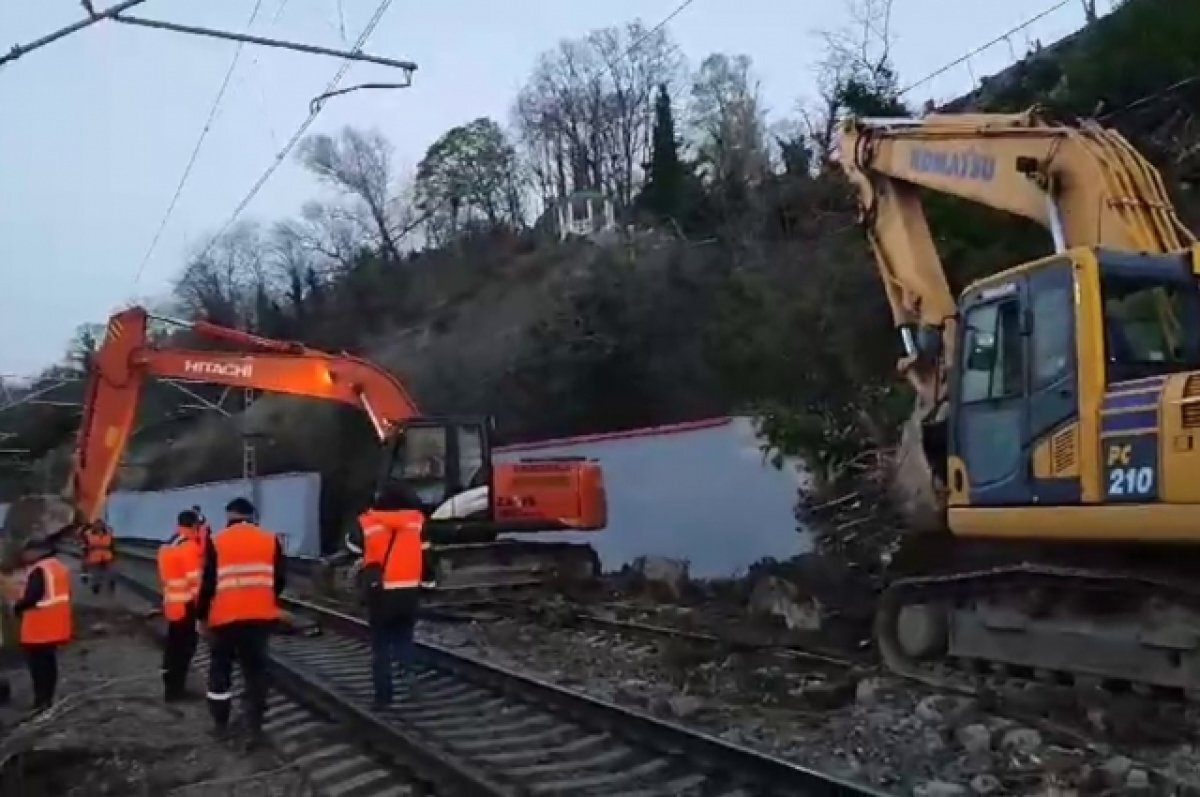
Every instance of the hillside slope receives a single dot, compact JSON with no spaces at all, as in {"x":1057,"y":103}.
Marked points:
{"x":748,"y":286}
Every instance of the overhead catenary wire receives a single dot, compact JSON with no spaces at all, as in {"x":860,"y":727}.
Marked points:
{"x":972,"y":53}
{"x":679,"y":9}
{"x":1150,"y":99}
{"x":187,"y":170}
{"x":313,"y":113}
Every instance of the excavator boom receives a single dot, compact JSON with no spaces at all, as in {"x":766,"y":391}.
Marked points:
{"x":447,"y":462}
{"x":122,"y":365}
{"x":1086,"y":185}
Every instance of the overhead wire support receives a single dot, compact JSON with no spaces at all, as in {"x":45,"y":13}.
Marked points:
{"x":311,"y":49}
{"x":315,"y":103}
{"x":314,"y":111}
{"x":19,"y":50}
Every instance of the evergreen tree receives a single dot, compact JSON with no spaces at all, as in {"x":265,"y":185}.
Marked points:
{"x":663,"y":194}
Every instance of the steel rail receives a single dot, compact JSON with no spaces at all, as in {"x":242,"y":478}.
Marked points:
{"x":479,"y":728}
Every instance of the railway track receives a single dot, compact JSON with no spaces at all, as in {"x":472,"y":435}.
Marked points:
{"x":469,"y":727}
{"x":307,"y":735}
{"x":488,"y":605}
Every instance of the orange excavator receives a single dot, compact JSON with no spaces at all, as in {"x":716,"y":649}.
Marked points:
{"x":447,"y":462}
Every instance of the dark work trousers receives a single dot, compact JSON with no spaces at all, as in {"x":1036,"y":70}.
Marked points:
{"x":391,"y":651}
{"x":101,"y":576}
{"x":43,"y":671}
{"x":245,"y":643}
{"x":182,"y":637}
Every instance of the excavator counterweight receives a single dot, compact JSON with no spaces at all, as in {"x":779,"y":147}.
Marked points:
{"x":1056,"y":441}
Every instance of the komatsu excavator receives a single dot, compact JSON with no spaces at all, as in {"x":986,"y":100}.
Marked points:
{"x":1053,"y":462}
{"x":447,"y":462}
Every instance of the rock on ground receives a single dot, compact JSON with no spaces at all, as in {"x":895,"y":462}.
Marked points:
{"x":858,"y":723}
{"x":774,"y":597}
{"x":111,"y":734}
{"x":666,"y":576}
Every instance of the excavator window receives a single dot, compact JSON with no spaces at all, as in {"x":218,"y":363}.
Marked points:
{"x":421,"y":462}
{"x":438,"y":458}
{"x":994,"y":362}
{"x":1053,"y":341}
{"x":471,"y":460}
{"x":1151,"y":325}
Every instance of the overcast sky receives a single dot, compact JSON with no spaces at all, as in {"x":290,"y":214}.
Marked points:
{"x":96,"y":128}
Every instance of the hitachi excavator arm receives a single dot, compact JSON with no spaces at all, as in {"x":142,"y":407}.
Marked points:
{"x":127,"y":358}
{"x":1087,"y":185}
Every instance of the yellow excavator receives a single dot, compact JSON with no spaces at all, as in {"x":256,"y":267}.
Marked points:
{"x":1051,"y":471}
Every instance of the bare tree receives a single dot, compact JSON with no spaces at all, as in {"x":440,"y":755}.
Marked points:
{"x":291,"y":261}
{"x":220,"y":283}
{"x":331,"y":234}
{"x":358,"y":163}
{"x":83,"y":346}
{"x":728,"y":119}
{"x":586,"y":114}
{"x":857,"y":65}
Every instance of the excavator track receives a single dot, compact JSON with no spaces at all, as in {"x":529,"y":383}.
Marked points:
{"x":1082,"y":626}
{"x":511,"y":563}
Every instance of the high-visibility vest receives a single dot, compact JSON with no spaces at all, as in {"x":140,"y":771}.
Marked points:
{"x":179,"y":576}
{"x":402,"y":570}
{"x":99,"y":547}
{"x":193,"y":539}
{"x":245,"y":575}
{"x":49,"y":620}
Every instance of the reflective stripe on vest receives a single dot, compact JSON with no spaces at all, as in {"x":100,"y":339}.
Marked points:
{"x":245,"y":588}
{"x":49,"y":620}
{"x":178,"y":571}
{"x":190,"y":539}
{"x":402,"y":570}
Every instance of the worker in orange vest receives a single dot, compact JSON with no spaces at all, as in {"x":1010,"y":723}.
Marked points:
{"x":179,"y":577}
{"x":393,"y":550}
{"x":44,"y":611}
{"x":242,"y":578}
{"x":99,"y":553}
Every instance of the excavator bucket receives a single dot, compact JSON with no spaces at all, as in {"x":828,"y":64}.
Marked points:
{"x":915,"y":491}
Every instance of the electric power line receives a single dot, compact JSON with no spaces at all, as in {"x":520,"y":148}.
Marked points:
{"x":187,"y":170}
{"x":1150,"y":99}
{"x":301,"y":130}
{"x":966,"y":56}
{"x":679,"y":9}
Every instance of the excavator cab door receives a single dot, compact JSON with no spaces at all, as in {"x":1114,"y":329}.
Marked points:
{"x":1017,"y":387}
{"x":439,"y":458}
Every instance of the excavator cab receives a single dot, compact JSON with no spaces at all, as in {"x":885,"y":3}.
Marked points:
{"x":446,"y":462}
{"x":469,"y":502}
{"x":1072,"y":389}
